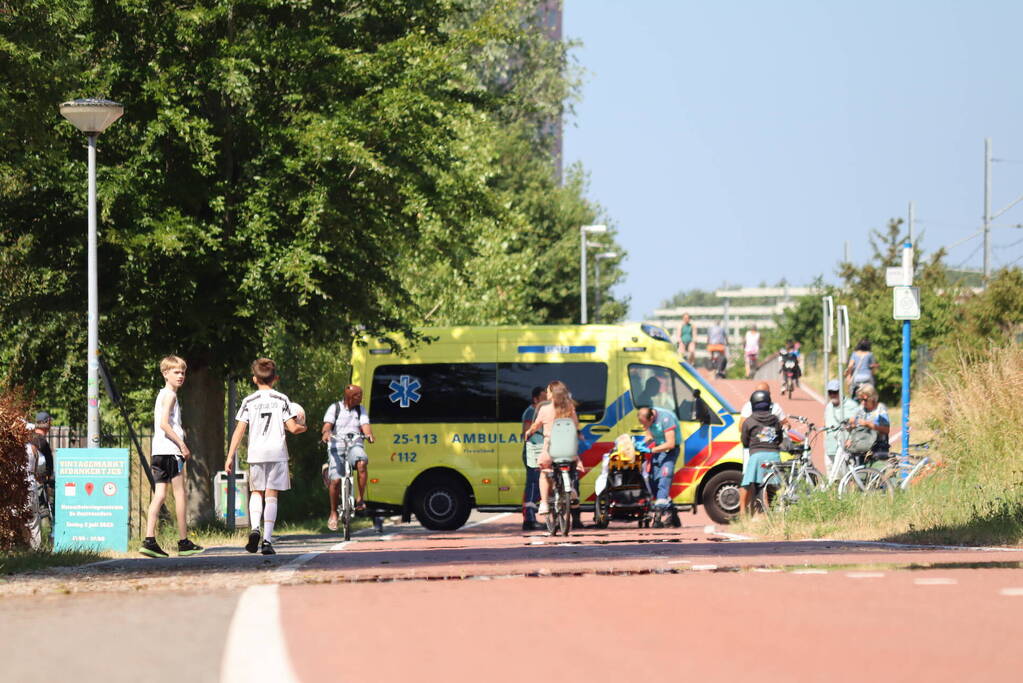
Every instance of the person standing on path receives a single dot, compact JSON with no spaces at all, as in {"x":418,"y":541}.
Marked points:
{"x":752,"y":350}
{"x":271,"y":413}
{"x":762,"y":435}
{"x":169,"y":453}
{"x":835,"y":413}
{"x":687,"y":340}
{"x":862,"y":366}
{"x":531,"y":449}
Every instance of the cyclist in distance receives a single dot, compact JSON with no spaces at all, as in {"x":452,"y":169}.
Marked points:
{"x":346,"y":417}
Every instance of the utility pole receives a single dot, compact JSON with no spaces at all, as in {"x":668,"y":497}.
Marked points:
{"x":910,"y":222}
{"x":987,"y":209}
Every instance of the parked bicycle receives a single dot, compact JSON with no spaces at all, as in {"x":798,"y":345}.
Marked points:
{"x":899,"y":472}
{"x":796,"y":479}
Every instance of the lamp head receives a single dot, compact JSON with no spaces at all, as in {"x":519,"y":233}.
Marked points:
{"x":91,"y":116}
{"x":607,"y":254}
{"x":592,"y":229}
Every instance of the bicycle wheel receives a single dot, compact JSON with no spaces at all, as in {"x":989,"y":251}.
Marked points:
{"x":767,"y":494}
{"x":805,"y":484}
{"x":862,"y":479}
{"x":347,"y":506}
{"x":565,"y":510}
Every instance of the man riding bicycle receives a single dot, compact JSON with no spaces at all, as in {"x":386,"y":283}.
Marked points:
{"x":662,"y":431}
{"x":342,"y":418}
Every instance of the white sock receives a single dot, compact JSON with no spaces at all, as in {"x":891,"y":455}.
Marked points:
{"x":269,"y":517}
{"x":255,"y":510}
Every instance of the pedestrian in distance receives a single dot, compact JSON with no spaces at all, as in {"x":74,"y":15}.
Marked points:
{"x":531,"y":449}
{"x":687,"y":339}
{"x":752,"y":350}
{"x":41,"y":441}
{"x":861,"y":368}
{"x":762,"y":435}
{"x":346,"y":417}
{"x":34,"y":473}
{"x":270,"y":413}
{"x":170,"y":452}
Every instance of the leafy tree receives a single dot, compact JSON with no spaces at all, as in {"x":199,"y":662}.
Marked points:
{"x":995,"y":314}
{"x":285,"y":172}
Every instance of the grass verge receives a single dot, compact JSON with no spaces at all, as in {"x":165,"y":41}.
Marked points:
{"x":21,"y":561}
{"x":975,"y":496}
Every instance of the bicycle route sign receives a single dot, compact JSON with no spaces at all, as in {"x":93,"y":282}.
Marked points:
{"x":906,"y":303}
{"x":92,"y":499}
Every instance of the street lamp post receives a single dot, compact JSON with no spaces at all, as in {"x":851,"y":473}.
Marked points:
{"x":92,"y":117}
{"x":592,"y":229}
{"x":596,"y":274}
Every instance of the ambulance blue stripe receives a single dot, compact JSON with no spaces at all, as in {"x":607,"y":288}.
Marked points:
{"x":557,"y":349}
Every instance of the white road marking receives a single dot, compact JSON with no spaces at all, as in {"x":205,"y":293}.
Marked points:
{"x":936,"y":581}
{"x":704,"y":567}
{"x":1011,"y":592}
{"x":256,"y":620}
{"x":283,"y":574}
{"x":810,"y":571}
{"x":766,"y":570}
{"x":680,"y":562}
{"x":865,"y":575}
{"x":709,"y":529}
{"x":488,"y":520}
{"x":733,"y":537}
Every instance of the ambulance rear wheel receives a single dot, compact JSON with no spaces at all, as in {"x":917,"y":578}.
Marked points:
{"x":441,"y":503}
{"x":721,"y":496}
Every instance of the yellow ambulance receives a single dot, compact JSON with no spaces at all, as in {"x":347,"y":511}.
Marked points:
{"x":447,"y":415}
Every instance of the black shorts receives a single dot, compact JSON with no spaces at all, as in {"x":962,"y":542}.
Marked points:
{"x":165,"y":468}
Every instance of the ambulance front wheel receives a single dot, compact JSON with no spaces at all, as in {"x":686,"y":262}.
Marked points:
{"x":721,"y":496}
{"x":441,"y":502}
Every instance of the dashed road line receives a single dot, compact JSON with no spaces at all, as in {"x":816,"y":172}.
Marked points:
{"x":1011,"y":592}
{"x":936,"y":581}
{"x":865,"y":575}
{"x":704,"y":567}
{"x":488,"y":520}
{"x":810,"y":571}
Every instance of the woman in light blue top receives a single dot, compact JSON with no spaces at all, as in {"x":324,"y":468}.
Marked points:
{"x":862,"y":366}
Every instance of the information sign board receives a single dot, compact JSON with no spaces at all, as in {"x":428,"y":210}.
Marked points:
{"x":92,"y":487}
{"x":906,"y":303}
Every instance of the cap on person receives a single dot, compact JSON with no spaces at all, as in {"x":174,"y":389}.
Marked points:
{"x":834,"y":386}
{"x":42,"y":417}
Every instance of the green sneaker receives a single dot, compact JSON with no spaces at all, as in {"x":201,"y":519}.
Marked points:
{"x":186,"y":547}
{"x":150,"y":548}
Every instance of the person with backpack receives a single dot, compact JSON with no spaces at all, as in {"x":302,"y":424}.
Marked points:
{"x":346,"y":417}
{"x":762,"y":434}
{"x":559,"y":405}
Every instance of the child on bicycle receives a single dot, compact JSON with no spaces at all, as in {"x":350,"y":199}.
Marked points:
{"x":762,"y":435}
{"x":271,"y":413}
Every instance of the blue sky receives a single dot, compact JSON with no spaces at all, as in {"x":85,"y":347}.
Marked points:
{"x":746,"y":141}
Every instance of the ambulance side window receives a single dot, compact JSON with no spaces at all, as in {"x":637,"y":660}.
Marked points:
{"x":515,"y":382}
{"x":434,"y":392}
{"x":660,"y":387}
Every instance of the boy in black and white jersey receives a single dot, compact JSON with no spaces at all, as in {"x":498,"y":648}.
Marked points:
{"x":269,"y":413}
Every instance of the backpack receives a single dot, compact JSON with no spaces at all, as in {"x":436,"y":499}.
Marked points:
{"x":337,"y":414}
{"x":861,"y":440}
{"x":564,"y":440}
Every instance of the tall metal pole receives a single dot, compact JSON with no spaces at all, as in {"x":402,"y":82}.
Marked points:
{"x":596,"y":289}
{"x":910,"y":221}
{"x":907,"y":266}
{"x":987,"y":209}
{"x":582,"y":275}
{"x":92,"y":392}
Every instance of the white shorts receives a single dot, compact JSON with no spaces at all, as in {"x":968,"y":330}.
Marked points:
{"x":269,"y":475}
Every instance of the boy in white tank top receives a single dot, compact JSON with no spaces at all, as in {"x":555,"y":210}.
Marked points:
{"x":269,"y":413}
{"x":169,"y":452}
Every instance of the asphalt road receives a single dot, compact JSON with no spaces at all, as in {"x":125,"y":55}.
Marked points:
{"x":490,"y":603}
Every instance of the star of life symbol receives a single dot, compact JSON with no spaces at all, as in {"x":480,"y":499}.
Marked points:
{"x":405,"y":391}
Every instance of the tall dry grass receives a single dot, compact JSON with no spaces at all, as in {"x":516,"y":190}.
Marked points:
{"x":972,"y":409}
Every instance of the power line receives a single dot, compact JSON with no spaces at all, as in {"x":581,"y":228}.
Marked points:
{"x":972,"y":254}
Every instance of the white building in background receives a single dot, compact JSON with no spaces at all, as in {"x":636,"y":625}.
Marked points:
{"x":731,"y":313}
